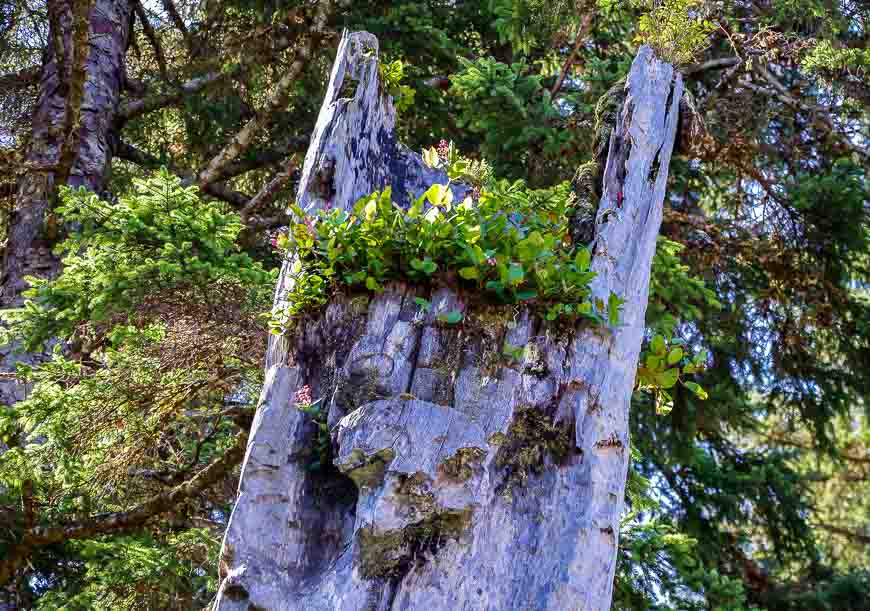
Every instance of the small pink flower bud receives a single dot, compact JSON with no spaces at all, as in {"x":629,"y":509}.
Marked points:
{"x":443,"y":149}
{"x":303,"y":395}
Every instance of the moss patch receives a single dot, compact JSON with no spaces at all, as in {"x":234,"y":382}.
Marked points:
{"x":368,"y":471}
{"x":460,"y":467}
{"x":531,"y":440}
{"x":391,"y":554}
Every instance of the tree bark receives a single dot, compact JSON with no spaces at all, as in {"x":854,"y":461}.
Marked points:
{"x":460,"y":479}
{"x":80,"y":85}
{"x":90,"y":115}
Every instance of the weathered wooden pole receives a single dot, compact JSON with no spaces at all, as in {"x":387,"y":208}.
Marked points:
{"x":460,"y":480}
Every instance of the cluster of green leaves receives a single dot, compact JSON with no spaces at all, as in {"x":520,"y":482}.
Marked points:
{"x":512,"y":244}
{"x":475,"y":172}
{"x":663,"y":364}
{"x":391,"y":75}
{"x":678,"y":30}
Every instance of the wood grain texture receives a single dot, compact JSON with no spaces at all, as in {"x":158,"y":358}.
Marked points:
{"x":461,"y":478}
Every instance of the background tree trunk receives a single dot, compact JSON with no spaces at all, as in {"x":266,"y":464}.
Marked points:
{"x":79,"y":92}
{"x":78,"y":99}
{"x":461,"y":480}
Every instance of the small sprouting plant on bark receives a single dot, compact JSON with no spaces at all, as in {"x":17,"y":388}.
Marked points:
{"x":314,"y":409}
{"x":477,"y":173}
{"x":391,"y":76}
{"x":512,"y":246}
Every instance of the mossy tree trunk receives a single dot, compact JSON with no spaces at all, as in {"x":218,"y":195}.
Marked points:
{"x":79,"y":92}
{"x":461,"y":478}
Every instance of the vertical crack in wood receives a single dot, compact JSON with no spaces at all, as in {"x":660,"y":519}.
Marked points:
{"x":477,"y":481}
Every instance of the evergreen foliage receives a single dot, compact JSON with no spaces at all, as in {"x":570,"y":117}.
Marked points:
{"x":752,"y":498}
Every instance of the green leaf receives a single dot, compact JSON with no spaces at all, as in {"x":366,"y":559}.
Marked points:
{"x":697,"y":389}
{"x":668,"y":378}
{"x":439,"y":195}
{"x":583,"y":259}
{"x":516,"y":274}
{"x":658,"y":345}
{"x":371,"y":209}
{"x":526,"y":295}
{"x":429,"y":267}
{"x":469,"y":273}
{"x":675,"y":355}
{"x":430,"y":157}
{"x":664,"y":403}
{"x":614,"y":302}
{"x":450,"y":318}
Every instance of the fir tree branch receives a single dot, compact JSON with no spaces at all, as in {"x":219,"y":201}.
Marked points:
{"x":121,"y":521}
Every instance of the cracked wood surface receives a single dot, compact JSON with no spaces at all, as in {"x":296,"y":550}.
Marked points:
{"x":461,"y":478}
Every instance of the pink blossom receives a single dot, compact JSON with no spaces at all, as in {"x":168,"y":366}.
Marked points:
{"x":303,"y":395}
{"x":492,"y":261}
{"x":443,"y":149}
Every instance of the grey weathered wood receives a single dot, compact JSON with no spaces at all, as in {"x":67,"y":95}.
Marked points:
{"x":461,"y":480}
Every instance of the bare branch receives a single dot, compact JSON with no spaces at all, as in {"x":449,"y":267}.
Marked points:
{"x":260,"y":159}
{"x":245,"y":137}
{"x":269,"y":190}
{"x":128,"y":152}
{"x":581,"y":36}
{"x":713,"y":64}
{"x":137,"y":108}
{"x":18,"y":80}
{"x":121,"y":521}
{"x":857,"y":537}
{"x":818,"y":113}
{"x":171,"y":9}
{"x":152,"y":37}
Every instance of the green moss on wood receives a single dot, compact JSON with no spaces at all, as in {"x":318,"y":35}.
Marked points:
{"x":460,"y":467}
{"x":531,"y":442}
